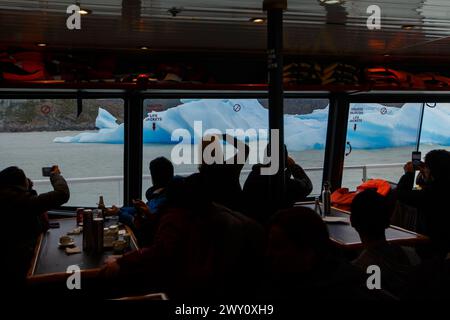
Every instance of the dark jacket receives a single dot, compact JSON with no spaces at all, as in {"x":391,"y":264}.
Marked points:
{"x":433,"y":214}
{"x":256,"y":191}
{"x":21,"y":211}
{"x":331,"y":280}
{"x":198,"y":253}
{"x":221,"y":181}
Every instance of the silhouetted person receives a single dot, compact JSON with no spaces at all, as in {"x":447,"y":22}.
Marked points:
{"x":431,"y":201}
{"x":142,"y":218}
{"x":221,"y":175}
{"x":201,"y":248}
{"x":21,"y":209}
{"x":370,"y":216}
{"x":303,"y":263}
{"x":162,"y":172}
{"x":257,"y":190}
{"x":430,"y":280}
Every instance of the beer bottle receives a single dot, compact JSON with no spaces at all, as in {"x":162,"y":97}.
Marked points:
{"x":101,"y":207}
{"x":326,"y":199}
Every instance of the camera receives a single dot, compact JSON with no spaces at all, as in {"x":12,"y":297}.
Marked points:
{"x":46,"y":171}
{"x":416,"y":158}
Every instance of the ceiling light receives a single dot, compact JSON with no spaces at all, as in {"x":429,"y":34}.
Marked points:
{"x":331,"y":1}
{"x":41,"y":44}
{"x":144,"y":48}
{"x":408,"y":26}
{"x":83,"y":11}
{"x":257,"y":20}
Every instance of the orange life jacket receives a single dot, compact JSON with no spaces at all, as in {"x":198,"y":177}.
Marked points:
{"x":342,"y":198}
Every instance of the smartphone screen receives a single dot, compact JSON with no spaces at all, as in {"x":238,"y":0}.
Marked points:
{"x":46,"y":171}
{"x":416,"y":158}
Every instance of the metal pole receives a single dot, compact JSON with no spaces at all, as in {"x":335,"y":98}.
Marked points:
{"x":274,"y":10}
{"x":133,"y":140}
{"x":336,"y":140}
{"x":419,"y":129}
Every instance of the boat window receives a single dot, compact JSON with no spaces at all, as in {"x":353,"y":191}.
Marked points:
{"x":88,"y":148}
{"x":380,"y":140}
{"x":167,"y":122}
{"x":435,"y":132}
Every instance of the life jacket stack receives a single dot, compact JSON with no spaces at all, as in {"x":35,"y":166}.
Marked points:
{"x":22,"y":66}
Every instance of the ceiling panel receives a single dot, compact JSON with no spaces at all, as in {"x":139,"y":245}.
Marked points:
{"x":310,"y":28}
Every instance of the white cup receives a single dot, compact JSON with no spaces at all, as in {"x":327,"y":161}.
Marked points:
{"x":65,"y":240}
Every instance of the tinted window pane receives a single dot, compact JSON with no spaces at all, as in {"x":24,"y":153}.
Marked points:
{"x":380,"y":140}
{"x":305,"y":129}
{"x":435,"y":127}
{"x":40,"y":133}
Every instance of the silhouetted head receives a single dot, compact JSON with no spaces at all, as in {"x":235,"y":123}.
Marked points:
{"x":161,"y":170}
{"x":438,"y":164}
{"x":268,"y":155}
{"x":211,"y":150}
{"x":176,"y":193}
{"x":188,"y":193}
{"x":13,"y":176}
{"x":298,"y":240}
{"x":370,"y":215}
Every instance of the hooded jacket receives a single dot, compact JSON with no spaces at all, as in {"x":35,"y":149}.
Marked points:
{"x":20,"y":211}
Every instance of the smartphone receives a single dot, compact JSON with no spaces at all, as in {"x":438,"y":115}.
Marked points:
{"x":416,"y":158}
{"x":46,"y":171}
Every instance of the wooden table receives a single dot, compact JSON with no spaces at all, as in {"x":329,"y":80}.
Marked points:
{"x":345,"y":236}
{"x":50,"y":262}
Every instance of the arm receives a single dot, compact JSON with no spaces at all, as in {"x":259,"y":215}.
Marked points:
{"x":405,"y":192}
{"x":168,"y":238}
{"x":52,"y":199}
{"x":301,"y":184}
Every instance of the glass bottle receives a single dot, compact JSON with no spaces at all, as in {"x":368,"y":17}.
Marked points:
{"x":101,"y":207}
{"x":326,"y":199}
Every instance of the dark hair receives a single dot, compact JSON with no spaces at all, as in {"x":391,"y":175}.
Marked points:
{"x":161,"y":170}
{"x":438,"y":161}
{"x":176,"y":192}
{"x":370,"y":213}
{"x":304,"y":228}
{"x":268,"y":150}
{"x":12,"y":176}
{"x":188,"y":193}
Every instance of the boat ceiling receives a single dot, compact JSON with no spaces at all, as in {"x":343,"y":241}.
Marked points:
{"x":413,"y":28}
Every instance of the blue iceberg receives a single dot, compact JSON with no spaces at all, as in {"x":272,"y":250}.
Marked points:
{"x":370,"y":125}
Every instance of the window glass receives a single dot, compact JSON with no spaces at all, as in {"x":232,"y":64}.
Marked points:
{"x":305,"y":129}
{"x":88,"y":148}
{"x":435,"y":128}
{"x":380,"y":140}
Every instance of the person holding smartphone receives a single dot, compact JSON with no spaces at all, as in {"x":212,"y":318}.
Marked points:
{"x":21,"y":211}
{"x":431,"y":201}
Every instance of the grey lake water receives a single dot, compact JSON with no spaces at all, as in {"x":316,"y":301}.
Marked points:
{"x":101,"y":165}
